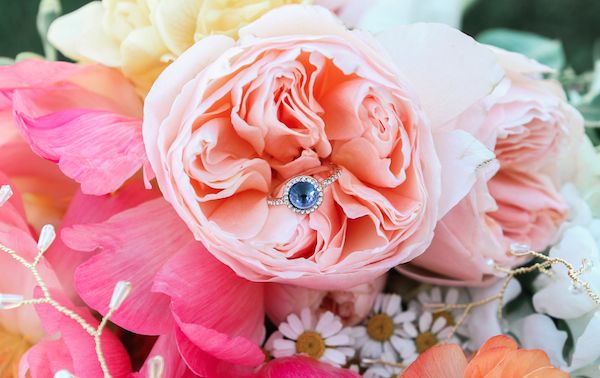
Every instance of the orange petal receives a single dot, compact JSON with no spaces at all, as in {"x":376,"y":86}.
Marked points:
{"x":519,"y":363}
{"x":447,"y":361}
{"x":547,"y":372}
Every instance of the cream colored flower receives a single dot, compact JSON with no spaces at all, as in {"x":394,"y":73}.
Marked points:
{"x":143,"y":36}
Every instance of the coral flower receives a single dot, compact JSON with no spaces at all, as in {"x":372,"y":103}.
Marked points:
{"x":499,"y":357}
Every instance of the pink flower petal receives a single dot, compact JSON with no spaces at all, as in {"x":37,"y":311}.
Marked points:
{"x":135,"y":244}
{"x":80,"y":345}
{"x":174,"y":365}
{"x":45,"y":359}
{"x":86,"y":209}
{"x":220,"y":315}
{"x":98,"y":149}
{"x":84,"y":117}
{"x":300,"y":366}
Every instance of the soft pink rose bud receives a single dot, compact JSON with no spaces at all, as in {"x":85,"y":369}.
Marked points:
{"x":352,"y":305}
{"x":530,"y":126}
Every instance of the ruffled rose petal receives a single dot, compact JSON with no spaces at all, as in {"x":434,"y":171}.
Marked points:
{"x":426,"y":53}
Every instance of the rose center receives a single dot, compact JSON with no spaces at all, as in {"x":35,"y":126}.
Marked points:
{"x":380,"y":327}
{"x":311,"y":343}
{"x":446,"y":315}
{"x":425,"y":341}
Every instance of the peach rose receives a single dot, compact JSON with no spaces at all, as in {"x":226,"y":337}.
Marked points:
{"x":229,"y":122}
{"x":530,"y":126}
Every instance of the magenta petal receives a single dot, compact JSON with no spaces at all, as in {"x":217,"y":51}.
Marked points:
{"x":134,"y":245}
{"x":299,"y":366}
{"x":80,"y":344}
{"x":175,"y":367}
{"x":86,"y":209}
{"x":220,"y":315}
{"x":44,"y":359}
{"x":96,"y":148}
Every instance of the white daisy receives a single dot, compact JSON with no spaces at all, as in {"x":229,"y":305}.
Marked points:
{"x":324,"y":339}
{"x":382,"y":332}
{"x":428,"y":332}
{"x":448,"y":296}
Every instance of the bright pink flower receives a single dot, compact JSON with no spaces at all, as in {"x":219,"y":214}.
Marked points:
{"x":299,"y":367}
{"x":179,"y":289}
{"x":75,"y":349}
{"x":227,"y":123}
{"x":22,"y":327}
{"x":84,"y":118}
{"x":529,"y":125}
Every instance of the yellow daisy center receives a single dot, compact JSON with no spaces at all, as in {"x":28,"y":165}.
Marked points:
{"x":446,"y":315}
{"x":425,"y":341}
{"x":311,"y":343}
{"x":380,"y":327}
{"x":12,"y":347}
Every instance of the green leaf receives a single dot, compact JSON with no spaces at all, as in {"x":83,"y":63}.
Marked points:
{"x":48,"y":11}
{"x":5,"y":61}
{"x":545,"y":50}
{"x":591,"y":111}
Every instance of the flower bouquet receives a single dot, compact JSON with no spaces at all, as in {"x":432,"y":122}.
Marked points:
{"x":287,"y":189}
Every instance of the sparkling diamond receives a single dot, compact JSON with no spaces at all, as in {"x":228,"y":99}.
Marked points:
{"x":303,"y":195}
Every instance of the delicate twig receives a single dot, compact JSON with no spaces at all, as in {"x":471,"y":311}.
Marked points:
{"x":370,"y":361}
{"x":121,"y":291}
{"x":574,"y":274}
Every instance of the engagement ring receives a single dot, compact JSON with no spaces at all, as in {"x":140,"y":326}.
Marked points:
{"x":304,"y":194}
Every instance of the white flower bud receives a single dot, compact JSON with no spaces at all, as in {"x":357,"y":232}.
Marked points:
{"x":121,"y":292}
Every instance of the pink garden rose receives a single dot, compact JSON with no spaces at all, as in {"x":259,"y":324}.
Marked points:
{"x":530,"y":126}
{"x":229,"y":122}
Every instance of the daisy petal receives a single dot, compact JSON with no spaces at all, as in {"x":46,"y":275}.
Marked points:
{"x":452,"y":296}
{"x":425,"y":322}
{"x":334,"y":357}
{"x":436,"y":295}
{"x":288,"y":331}
{"x":338,"y":340}
{"x":307,"y":318}
{"x":393,"y":305}
{"x":294,"y":321}
{"x":406,"y":316}
{"x":438,"y":324}
{"x":402,"y":346}
{"x":410,"y":330}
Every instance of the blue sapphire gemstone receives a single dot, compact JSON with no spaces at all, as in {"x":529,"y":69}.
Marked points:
{"x":303,"y":195}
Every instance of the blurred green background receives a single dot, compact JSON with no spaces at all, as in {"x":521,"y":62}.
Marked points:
{"x":575,"y":22}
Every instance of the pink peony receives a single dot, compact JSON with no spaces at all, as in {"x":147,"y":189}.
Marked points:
{"x":212,"y":319}
{"x":300,"y":366}
{"x":529,"y":125}
{"x":228,"y":123}
{"x":84,"y":118}
{"x":48,"y":340}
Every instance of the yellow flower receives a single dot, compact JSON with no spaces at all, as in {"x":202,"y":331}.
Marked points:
{"x":141,"y":37}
